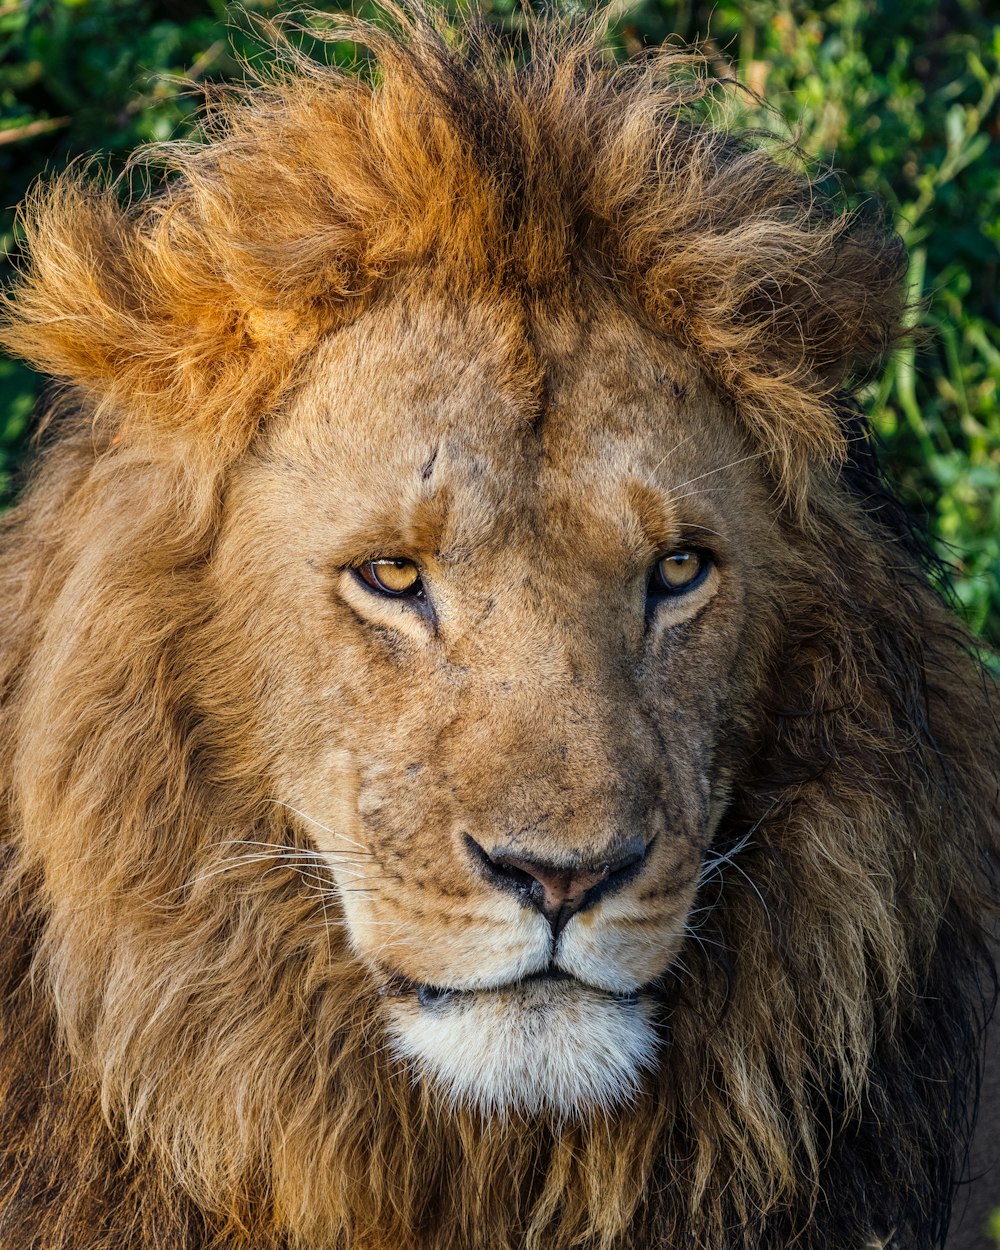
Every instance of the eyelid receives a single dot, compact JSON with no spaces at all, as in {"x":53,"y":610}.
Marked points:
{"x":697,"y":538}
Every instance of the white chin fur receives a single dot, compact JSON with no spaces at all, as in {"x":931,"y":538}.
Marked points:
{"x":540,"y":1046}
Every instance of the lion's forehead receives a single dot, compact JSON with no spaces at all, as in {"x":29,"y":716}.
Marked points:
{"x":476,"y":426}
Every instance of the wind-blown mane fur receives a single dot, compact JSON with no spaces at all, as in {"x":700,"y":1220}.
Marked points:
{"x":317,"y":188}
{"x":189,"y":1057}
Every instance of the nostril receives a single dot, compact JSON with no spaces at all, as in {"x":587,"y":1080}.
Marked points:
{"x":509,"y":872}
{"x":499,"y":870}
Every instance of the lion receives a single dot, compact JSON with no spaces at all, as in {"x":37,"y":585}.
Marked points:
{"x":484,"y":766}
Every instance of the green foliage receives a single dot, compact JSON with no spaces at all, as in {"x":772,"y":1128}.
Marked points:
{"x":898,"y":96}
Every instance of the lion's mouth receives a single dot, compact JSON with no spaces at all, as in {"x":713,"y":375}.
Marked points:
{"x":547,"y":1042}
{"x":432,"y":997}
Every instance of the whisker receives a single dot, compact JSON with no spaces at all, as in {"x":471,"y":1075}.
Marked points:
{"x":694,"y":494}
{"x":299,"y":850}
{"x":702,"y":940}
{"x":755,"y":455}
{"x":707,"y":528}
{"x":203,"y":876}
{"x":660,"y":463}
{"x":286,"y":857}
{"x":323,"y":894}
{"x":319,"y":825}
{"x":714,"y":862}
{"x":305,"y":871}
{"x":309,"y":872}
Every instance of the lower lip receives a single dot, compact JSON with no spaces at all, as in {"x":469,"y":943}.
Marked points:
{"x":432,"y":996}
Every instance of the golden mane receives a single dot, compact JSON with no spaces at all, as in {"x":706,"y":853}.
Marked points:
{"x":195,"y":305}
{"x":181,"y":1067}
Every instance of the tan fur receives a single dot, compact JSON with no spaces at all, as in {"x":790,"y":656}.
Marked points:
{"x":531,"y":330}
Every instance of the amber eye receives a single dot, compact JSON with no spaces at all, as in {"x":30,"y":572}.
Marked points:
{"x":394,"y":577}
{"x":678,"y":572}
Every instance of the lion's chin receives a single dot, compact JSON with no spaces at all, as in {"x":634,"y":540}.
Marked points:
{"x":538,"y":1046}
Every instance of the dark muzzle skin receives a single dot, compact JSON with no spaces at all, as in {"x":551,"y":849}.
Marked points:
{"x":560,"y":890}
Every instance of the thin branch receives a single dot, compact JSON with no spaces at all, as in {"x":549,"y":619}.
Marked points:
{"x":42,"y":127}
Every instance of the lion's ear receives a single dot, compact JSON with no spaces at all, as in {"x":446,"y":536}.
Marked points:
{"x":133,"y":306}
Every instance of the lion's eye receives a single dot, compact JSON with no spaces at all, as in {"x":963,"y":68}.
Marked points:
{"x":394,"y":577}
{"x":678,"y":572}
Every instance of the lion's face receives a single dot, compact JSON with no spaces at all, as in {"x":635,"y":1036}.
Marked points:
{"x":513,"y":765}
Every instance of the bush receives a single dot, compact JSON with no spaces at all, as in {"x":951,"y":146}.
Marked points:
{"x":899,"y":96}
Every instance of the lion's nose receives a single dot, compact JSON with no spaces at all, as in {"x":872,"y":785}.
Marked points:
{"x":558,"y":891}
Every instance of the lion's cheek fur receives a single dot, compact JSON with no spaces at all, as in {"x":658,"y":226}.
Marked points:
{"x":401,"y":936}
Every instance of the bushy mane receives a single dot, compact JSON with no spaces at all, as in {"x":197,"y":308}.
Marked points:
{"x":824,"y":1020}
{"x":196,"y":304}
